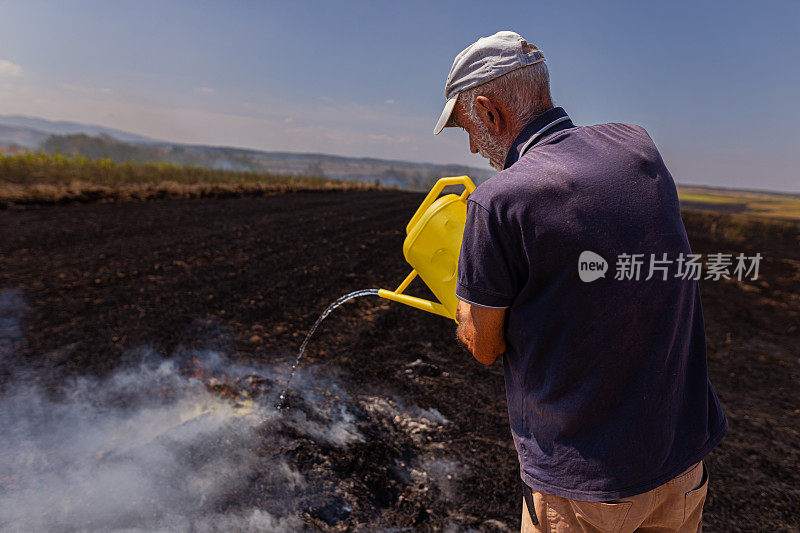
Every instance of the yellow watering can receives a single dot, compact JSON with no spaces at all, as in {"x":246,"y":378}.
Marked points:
{"x":432,"y":245}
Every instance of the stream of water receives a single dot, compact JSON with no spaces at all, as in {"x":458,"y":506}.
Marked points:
{"x":323,"y":316}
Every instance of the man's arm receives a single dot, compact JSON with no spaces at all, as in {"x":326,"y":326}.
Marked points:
{"x":481,"y":330}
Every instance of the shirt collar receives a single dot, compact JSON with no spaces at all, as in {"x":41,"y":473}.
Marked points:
{"x":551,"y":121}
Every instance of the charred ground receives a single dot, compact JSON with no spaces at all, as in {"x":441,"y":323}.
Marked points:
{"x":248,"y":276}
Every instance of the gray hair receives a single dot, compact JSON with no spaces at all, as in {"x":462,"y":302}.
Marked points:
{"x":526,"y":92}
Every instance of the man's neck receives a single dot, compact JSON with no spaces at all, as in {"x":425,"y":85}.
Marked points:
{"x":516,"y":128}
{"x":554,"y":119}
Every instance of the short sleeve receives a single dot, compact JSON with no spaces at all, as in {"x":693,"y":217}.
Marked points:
{"x":486,"y":261}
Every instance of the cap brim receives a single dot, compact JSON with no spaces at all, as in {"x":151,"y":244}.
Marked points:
{"x":444,"y":120}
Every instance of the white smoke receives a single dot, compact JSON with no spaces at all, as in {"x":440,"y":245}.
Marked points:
{"x":149,"y":449}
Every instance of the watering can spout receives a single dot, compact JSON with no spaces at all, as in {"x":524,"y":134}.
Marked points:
{"x":431,"y":247}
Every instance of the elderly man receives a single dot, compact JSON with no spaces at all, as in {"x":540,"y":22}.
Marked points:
{"x":608,"y":396}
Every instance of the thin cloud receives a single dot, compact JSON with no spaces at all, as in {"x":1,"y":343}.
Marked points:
{"x":389,"y":139}
{"x":10,"y":69}
{"x":89,"y":91}
{"x":206,"y":90}
{"x":389,"y":101}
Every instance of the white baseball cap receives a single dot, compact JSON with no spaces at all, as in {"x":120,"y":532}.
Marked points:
{"x":484,"y":60}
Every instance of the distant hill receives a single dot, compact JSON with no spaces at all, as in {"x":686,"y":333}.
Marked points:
{"x":21,"y":136}
{"x":50,"y":127}
{"x":96,"y":142}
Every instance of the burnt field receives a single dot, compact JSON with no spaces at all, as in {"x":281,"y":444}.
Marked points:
{"x":144,"y":345}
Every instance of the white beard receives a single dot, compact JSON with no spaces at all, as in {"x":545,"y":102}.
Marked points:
{"x":495,"y":164}
{"x":490,"y":147}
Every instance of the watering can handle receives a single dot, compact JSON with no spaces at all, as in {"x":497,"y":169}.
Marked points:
{"x":434,"y":194}
{"x":420,"y":303}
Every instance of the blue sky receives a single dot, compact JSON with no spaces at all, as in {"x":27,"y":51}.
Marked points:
{"x":715,"y":83}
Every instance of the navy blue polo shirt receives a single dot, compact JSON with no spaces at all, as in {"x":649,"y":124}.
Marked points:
{"x":606,"y":380}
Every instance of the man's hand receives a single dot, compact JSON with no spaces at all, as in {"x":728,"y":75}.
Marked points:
{"x":482,"y":331}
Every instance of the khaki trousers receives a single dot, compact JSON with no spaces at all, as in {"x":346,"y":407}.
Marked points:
{"x":674,"y":506}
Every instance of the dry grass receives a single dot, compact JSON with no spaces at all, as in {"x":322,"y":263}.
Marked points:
{"x":43,"y":179}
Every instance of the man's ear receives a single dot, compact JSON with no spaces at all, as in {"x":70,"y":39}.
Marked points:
{"x":490,"y":115}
